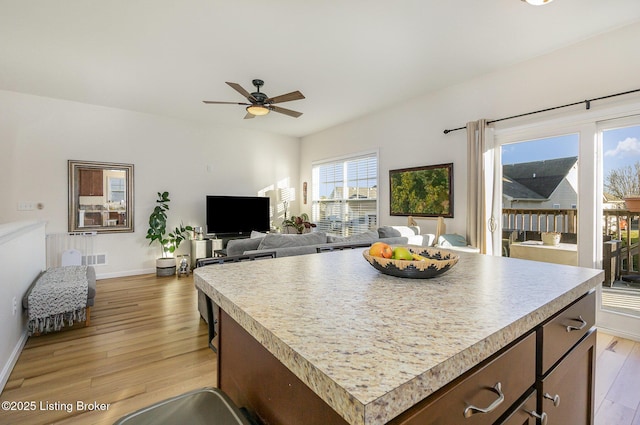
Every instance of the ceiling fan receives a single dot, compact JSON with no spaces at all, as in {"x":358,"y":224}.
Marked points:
{"x":261,"y":104}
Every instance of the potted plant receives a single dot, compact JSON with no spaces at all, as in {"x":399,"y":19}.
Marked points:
{"x":297,"y":224}
{"x":157,"y":232}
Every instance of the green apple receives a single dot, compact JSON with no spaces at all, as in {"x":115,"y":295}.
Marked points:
{"x":401,"y":253}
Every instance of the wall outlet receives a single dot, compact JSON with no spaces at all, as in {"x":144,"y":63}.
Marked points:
{"x":15,"y":305}
{"x":26,"y":206}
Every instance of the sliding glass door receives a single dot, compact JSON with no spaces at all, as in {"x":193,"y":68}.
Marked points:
{"x":540,"y":199}
{"x":620,"y":141}
{"x":608,"y":167}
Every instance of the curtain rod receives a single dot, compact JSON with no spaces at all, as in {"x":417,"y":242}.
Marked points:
{"x":587,"y":104}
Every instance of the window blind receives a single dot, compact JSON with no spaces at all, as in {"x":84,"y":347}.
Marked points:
{"x":345,"y":195}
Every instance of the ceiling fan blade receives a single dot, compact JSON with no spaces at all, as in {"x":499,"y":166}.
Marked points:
{"x":237,"y":87}
{"x":225,"y":103}
{"x":294,"y":95}
{"x":289,"y":112}
{"x":248,"y":116}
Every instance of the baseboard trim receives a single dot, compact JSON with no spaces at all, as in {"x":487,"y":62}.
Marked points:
{"x":124,"y":273}
{"x":619,"y":324}
{"x":620,"y":334}
{"x":13,"y":359}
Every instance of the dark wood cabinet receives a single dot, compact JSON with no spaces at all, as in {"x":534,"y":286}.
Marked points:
{"x":493,"y":387}
{"x":567,"y":391}
{"x":566,"y":364}
{"x":563,"y":331}
{"x":524,"y":412}
{"x":546,"y":377}
{"x":90,"y":182}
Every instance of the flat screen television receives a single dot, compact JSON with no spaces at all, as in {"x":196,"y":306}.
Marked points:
{"x":237,"y":215}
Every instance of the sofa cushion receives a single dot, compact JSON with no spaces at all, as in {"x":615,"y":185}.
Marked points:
{"x":423,"y":240}
{"x":395,"y":231}
{"x":452,"y":239}
{"x":239,"y":246}
{"x":368,"y":236}
{"x":279,"y":240}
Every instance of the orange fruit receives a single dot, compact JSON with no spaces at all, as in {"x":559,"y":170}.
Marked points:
{"x":381,"y":249}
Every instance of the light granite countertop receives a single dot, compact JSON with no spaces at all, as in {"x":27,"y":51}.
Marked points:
{"x":372,"y":345}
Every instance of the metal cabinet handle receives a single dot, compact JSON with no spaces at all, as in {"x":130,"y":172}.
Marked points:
{"x":574,"y":328}
{"x":472,"y":410}
{"x":543,"y":417}
{"x":554,"y":398}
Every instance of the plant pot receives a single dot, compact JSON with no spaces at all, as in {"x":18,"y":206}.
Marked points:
{"x":633,"y":203}
{"x":166,"y":266}
{"x":551,"y":238}
{"x":292,"y":230}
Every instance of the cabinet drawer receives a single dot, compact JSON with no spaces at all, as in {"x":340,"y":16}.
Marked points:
{"x":565,"y":330}
{"x":514,"y":369}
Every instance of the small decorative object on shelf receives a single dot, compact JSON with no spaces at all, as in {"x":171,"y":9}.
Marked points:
{"x":551,"y":238}
{"x":297,"y":224}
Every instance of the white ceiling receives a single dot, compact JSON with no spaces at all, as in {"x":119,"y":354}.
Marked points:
{"x":348,"y":57}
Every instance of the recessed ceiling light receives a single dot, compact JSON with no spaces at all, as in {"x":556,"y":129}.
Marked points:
{"x":537,"y":2}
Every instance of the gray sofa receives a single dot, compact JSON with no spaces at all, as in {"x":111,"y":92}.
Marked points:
{"x":286,"y":245}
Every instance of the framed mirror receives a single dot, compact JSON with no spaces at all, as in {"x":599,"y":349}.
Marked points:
{"x":100,"y":197}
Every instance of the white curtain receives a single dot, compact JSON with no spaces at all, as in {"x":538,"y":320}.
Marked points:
{"x":482,"y":225}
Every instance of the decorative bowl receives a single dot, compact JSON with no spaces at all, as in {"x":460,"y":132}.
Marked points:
{"x":438,"y":261}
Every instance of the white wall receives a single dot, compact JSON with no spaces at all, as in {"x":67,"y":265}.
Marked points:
{"x":38,"y":135}
{"x":22,"y":258}
{"x":411,"y":134}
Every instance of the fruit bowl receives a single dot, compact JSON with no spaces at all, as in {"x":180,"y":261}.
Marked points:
{"x":437,"y":261}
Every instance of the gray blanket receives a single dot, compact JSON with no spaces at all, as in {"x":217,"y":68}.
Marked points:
{"x":58,"y":297}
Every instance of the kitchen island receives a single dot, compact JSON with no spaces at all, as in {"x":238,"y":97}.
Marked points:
{"x":371,"y":346}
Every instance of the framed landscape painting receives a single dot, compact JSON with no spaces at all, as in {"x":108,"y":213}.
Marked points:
{"x":422,"y":191}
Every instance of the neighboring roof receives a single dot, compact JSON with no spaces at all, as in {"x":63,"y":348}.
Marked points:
{"x":539,"y":177}
{"x":515,"y":190}
{"x":609,"y":198}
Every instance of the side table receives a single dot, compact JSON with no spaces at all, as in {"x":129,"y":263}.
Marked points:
{"x":203,"y":249}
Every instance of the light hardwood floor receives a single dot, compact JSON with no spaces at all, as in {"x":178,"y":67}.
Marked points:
{"x":146,"y":343}
{"x":617,"y":395}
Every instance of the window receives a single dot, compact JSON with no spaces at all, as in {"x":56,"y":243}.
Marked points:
{"x":116,"y":190}
{"x":345,"y":195}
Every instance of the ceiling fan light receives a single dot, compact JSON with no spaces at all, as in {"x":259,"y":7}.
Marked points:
{"x":257,"y":110}
{"x":537,"y":2}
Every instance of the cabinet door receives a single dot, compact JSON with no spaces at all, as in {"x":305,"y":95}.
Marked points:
{"x":90,"y":183}
{"x":567,"y":393}
{"x":522,"y":413}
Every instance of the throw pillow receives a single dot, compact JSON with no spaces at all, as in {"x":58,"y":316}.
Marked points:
{"x":255,"y":234}
{"x":452,"y":240}
{"x":388,"y":232}
{"x":395,"y":231}
{"x":368,"y":236}
{"x":279,"y":240}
